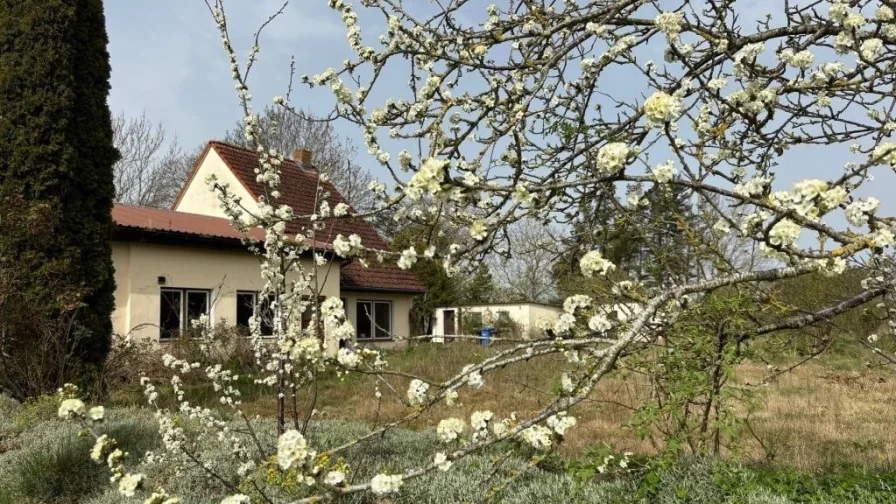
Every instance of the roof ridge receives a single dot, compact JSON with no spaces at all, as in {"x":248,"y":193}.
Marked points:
{"x":248,"y":150}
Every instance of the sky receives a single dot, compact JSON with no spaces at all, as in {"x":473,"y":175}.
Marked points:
{"x":167,"y":59}
{"x":168,"y":63}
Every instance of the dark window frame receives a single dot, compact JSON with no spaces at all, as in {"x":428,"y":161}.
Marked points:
{"x":255,"y":306}
{"x":361,"y":313}
{"x":183,"y":322}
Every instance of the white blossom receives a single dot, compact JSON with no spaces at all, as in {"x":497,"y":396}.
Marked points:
{"x":802,"y":59}
{"x":71,"y":408}
{"x":348,"y":358}
{"x":567,"y":384}
{"x":784,"y":233}
{"x":417,"y":392}
{"x":479,"y":420}
{"x":752,"y":188}
{"x":428,"y":179}
{"x":594,"y":263}
{"x":854,"y":20}
{"x":669,"y":23}
{"x":838,"y":10}
{"x":612,"y":157}
{"x":441,"y":461}
{"x":292,"y":449}
{"x":882,"y":237}
{"x":100,"y":447}
{"x":537,"y":436}
{"x":599,"y":323}
{"x":561,"y":422}
{"x":341,"y":210}
{"x":576,"y":302}
{"x":478,"y":230}
{"x":721,"y":227}
{"x":383,"y":484}
{"x":449,"y":429}
{"x":870,"y":48}
{"x":334,"y":478}
{"x":883,"y":13}
{"x":408,"y":258}
{"x":96,"y":413}
{"x":237,"y":499}
{"x":858,"y":211}
{"x":665,"y":172}
{"x":475,"y":380}
{"x":129,"y":483}
{"x":661,"y":108}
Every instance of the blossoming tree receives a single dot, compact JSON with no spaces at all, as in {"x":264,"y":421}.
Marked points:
{"x":519,"y":116}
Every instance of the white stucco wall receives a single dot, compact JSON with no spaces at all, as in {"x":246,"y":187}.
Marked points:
{"x":401,"y":314}
{"x":198,"y":198}
{"x":524,"y":314}
{"x":538,"y":312}
{"x":223,"y":272}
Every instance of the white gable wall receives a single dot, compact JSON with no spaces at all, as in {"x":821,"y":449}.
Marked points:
{"x":199,"y":198}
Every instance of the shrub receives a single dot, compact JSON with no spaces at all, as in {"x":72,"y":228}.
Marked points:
{"x":35,"y":410}
{"x":9,"y":407}
{"x":53,"y":464}
{"x":39,"y":304}
{"x":811,"y":292}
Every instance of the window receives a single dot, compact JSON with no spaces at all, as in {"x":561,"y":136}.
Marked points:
{"x":246,"y":304}
{"x":374,"y":320}
{"x":179,"y":308}
{"x":170,"y":321}
{"x":503,"y":316}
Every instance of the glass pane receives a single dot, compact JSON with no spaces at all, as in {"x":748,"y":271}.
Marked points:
{"x":197,"y":305}
{"x":383,"y":315}
{"x":365,"y":312}
{"x":245,"y":307}
{"x":266,"y":315}
{"x":170,"y":312}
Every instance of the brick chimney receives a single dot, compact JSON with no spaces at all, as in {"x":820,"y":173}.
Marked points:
{"x":302,"y":156}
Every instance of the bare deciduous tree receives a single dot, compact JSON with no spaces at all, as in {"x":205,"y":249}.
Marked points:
{"x":526,"y":272}
{"x":152,"y":167}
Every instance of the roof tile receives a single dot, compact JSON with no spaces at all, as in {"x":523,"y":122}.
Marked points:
{"x":298,"y":189}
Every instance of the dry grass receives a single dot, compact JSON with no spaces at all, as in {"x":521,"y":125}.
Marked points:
{"x":815,"y":418}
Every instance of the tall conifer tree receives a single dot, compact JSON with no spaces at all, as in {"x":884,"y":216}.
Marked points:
{"x":56,"y":147}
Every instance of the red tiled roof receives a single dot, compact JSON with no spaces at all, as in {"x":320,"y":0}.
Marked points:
{"x":155,"y":219}
{"x":298,"y":189}
{"x":170,"y":221}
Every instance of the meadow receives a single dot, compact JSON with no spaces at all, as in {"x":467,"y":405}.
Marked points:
{"x":821,"y":432}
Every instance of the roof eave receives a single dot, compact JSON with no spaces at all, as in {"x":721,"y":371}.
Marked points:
{"x":356,"y":288}
{"x":181,"y":238}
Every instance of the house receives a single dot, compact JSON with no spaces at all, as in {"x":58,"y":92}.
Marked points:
{"x":172,"y":266}
{"x":454,"y":320}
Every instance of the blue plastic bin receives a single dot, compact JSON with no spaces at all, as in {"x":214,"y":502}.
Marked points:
{"x":485,"y":336}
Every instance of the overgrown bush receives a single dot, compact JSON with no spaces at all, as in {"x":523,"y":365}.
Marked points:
{"x":39,"y":305}
{"x":693,"y":398}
